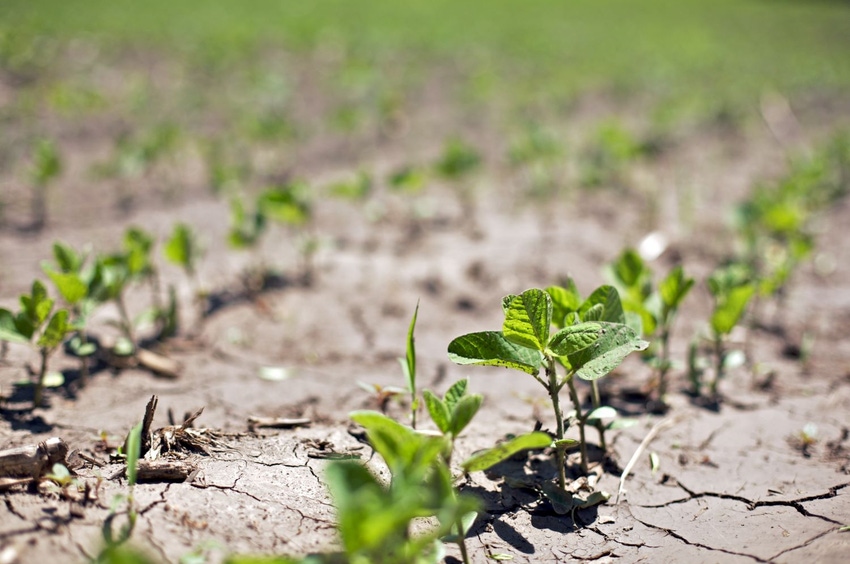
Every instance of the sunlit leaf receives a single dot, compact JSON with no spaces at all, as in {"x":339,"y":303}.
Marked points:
{"x":487,"y":458}
{"x":528,"y":318}
{"x":491,"y":348}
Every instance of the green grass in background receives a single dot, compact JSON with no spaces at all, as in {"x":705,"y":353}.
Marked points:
{"x":726,"y":48}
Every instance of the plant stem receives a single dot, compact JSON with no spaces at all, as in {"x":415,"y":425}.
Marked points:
{"x":127,"y":325}
{"x":461,"y":541}
{"x":719,"y":358}
{"x":580,"y":418}
{"x":594,"y":390}
{"x":664,"y":366}
{"x":39,"y":385}
{"x":552,"y":387}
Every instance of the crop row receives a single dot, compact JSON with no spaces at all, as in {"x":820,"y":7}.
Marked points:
{"x":555,"y":335}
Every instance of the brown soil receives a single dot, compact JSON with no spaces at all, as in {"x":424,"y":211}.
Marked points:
{"x":734,"y":483}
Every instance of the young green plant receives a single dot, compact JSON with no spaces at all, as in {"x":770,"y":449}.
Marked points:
{"x":375,"y":519}
{"x":654,"y":311}
{"x":112,"y":542}
{"x":588,"y":349}
{"x":732,"y":289}
{"x":408,"y":367}
{"x":76,"y":284}
{"x":37,"y":325}
{"x":46,"y":167}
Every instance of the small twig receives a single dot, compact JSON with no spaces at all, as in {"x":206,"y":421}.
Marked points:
{"x":91,"y":459}
{"x":277,"y":422}
{"x":657,"y":428}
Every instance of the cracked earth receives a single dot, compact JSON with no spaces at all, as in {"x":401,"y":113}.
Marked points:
{"x":733,"y":484}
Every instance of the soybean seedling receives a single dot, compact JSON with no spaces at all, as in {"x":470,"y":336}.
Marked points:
{"x":138,"y":249}
{"x":539,"y":154}
{"x":421,"y":483}
{"x":77,"y":286}
{"x":246,"y":230}
{"x":113,"y":542}
{"x":34,"y":325}
{"x":603,"y":304}
{"x":451,"y":414}
{"x":731,"y":289}
{"x":408,"y":367}
{"x":374,"y":519}
{"x":671,"y":292}
{"x":655,"y":311}
{"x":612,"y":149}
{"x":46,"y":167}
{"x":587,"y":349}
{"x":458,"y":160}
{"x":183,"y":249}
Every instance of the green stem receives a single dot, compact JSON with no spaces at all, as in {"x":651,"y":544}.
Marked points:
{"x":461,"y":541}
{"x":126,"y":324}
{"x":719,"y":358}
{"x":594,"y":390}
{"x":664,"y":365}
{"x":39,"y":385}
{"x":552,"y":387}
{"x":580,"y":418}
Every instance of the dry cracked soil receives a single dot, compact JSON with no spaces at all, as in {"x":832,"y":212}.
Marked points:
{"x":733,"y":483}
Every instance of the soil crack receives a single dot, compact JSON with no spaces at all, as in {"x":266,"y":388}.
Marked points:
{"x":681,"y":538}
{"x":751,"y":505}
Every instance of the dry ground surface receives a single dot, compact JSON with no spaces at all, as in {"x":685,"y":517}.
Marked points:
{"x":733,"y":484}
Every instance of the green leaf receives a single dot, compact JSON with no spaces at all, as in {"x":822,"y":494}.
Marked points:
{"x":463,"y":412}
{"x":405,"y":451}
{"x":674,"y":288}
{"x":506,"y":302}
{"x":574,"y":338}
{"x":440,"y":414}
{"x":8,"y":328}
{"x":458,"y":159}
{"x":730,"y":307}
{"x":285,"y":204}
{"x":564,"y":502}
{"x":408,"y":179}
{"x":37,"y":306}
{"x":181,"y":248}
{"x":138,"y":245}
{"x":528,"y":318}
{"x":46,"y":162}
{"x":487,"y":458}
{"x":70,"y":286}
{"x":467,"y":520}
{"x":593,"y":313}
{"x":455,"y":393}
{"x":24,"y":326}
{"x":491,"y":348}
{"x":609,"y":299}
{"x":629,"y":270}
{"x":410,"y":373}
{"x":67,"y":258}
{"x":56,"y":330}
{"x":564,"y":301}
{"x":564,"y":443}
{"x":134,"y":447}
{"x":615,"y":343}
